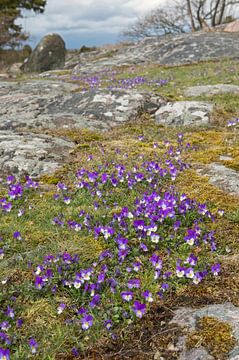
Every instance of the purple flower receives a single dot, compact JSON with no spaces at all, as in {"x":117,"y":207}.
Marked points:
{"x":139,"y":309}
{"x":95,"y":301}
{"x":164,"y":287}
{"x":122,"y":243}
{"x":7,"y":207}
{"x":4,"y":354}
{"x":180,"y":271}
{"x":189,"y":273}
{"x":192,"y":260}
{"x":81,"y":311}
{"x":61,"y":308}
{"x":156,"y":261}
{"x":198,"y":277}
{"x":216,"y":269}
{"x":39,"y":282}
{"x":134,"y":283}
{"x":108,"y":324}
{"x":139,"y":224}
{"x":17,"y":235}
{"x":33,"y":345}
{"x":61,"y":186}
{"x":148,"y":296}
{"x":122,"y":254}
{"x":10,"y":312}
{"x":136,"y":266}
{"x":127,"y":295}
{"x":5,"y":325}
{"x":191,"y":236}
{"x":87,"y":322}
{"x":143,"y":247}
{"x":11,"y":179}
{"x":19,"y":323}
{"x":67,"y":200}
{"x":1,"y":254}
{"x":75,"y":352}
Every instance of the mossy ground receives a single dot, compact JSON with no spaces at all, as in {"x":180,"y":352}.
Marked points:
{"x":143,"y":339}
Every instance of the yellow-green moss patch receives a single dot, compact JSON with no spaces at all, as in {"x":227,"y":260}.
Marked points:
{"x":213,"y":334}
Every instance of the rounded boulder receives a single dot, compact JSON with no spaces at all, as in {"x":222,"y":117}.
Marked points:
{"x":49,"y":54}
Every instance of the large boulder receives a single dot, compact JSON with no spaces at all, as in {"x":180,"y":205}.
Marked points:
{"x":49,"y":54}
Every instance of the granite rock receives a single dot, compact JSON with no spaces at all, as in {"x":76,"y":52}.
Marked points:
{"x":209,"y":90}
{"x":184,"y":113}
{"x":31,"y":154}
{"x":44,"y":104}
{"x":222,"y":177}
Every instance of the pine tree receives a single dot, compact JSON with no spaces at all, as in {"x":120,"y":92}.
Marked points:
{"x":10,"y":33}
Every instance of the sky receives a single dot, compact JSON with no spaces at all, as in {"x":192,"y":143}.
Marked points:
{"x":86,"y":22}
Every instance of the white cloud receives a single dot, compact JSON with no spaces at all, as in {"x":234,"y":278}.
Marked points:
{"x":84,"y":18}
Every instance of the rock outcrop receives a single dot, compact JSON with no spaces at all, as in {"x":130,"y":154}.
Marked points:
{"x":209,"y":90}
{"x":164,"y":50}
{"x":46,"y":104}
{"x":184,"y":113}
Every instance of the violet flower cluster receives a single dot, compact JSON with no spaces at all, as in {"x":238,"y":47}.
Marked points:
{"x":150,"y":245}
{"x":107,"y":80}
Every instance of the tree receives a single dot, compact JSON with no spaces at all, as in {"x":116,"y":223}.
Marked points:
{"x":10,"y":33}
{"x":180,"y":16}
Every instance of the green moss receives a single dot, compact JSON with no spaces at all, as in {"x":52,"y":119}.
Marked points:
{"x":234,"y":216}
{"x":232,"y":164}
{"x":83,"y":146}
{"x":197,"y":187}
{"x":213,"y":334}
{"x":80,"y":136}
{"x":49,"y":179}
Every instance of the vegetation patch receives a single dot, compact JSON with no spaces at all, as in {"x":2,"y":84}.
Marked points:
{"x":213,"y":334}
{"x":94,"y":258}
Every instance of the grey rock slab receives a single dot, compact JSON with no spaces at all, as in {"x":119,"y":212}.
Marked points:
{"x":187,"y":317}
{"x":31,"y":154}
{"x":108,"y":108}
{"x":184,"y":113}
{"x":208,"y":90}
{"x":46,"y":104}
{"x":224,"y":178}
{"x":164,"y":50}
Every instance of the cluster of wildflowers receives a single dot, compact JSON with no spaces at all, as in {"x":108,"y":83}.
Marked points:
{"x":8,"y":323}
{"x":156,"y":236}
{"x":131,"y":253}
{"x":107,"y":79}
{"x":15,"y":191}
